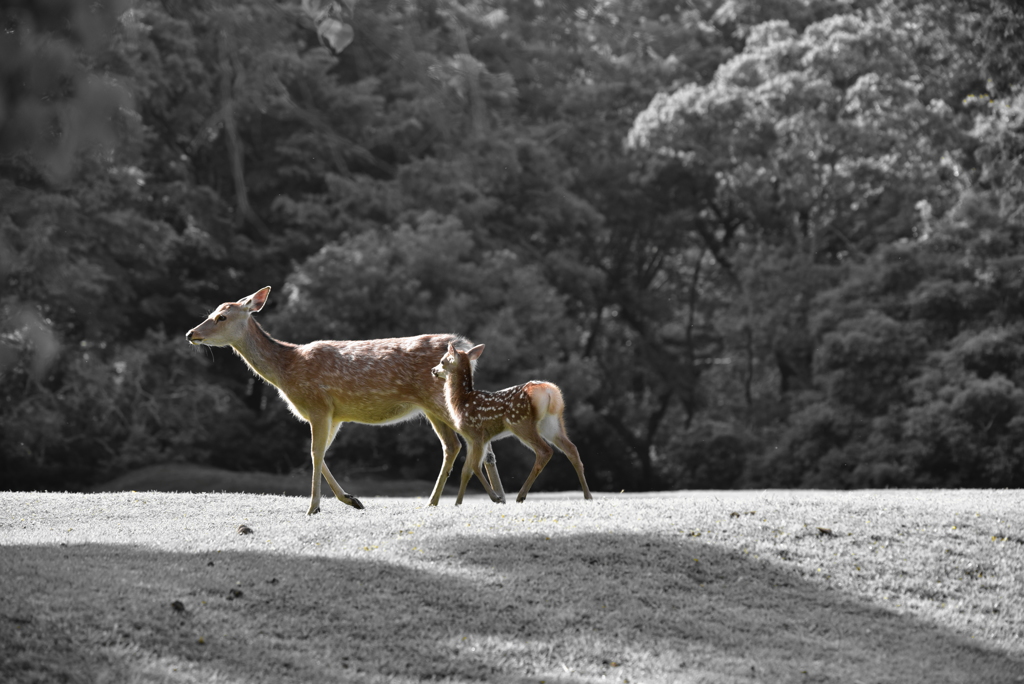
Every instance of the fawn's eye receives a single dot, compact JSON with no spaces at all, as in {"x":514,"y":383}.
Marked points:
{"x":222,"y":317}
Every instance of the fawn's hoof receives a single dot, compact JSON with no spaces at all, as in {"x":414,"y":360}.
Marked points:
{"x":355,"y":503}
{"x":313,"y":510}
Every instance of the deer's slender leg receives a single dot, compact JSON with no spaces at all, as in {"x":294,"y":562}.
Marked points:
{"x":339,"y":493}
{"x":467,"y":468}
{"x":569,"y":449}
{"x":529,"y":436}
{"x":321,"y":430}
{"x":451,"y":445}
{"x":491,"y":466}
{"x":471,"y":467}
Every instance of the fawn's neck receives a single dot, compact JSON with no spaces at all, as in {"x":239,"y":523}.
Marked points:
{"x":269,"y":358}
{"x":458,"y":389}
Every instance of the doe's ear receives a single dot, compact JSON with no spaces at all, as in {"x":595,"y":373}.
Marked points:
{"x":255,"y":301}
{"x":475,"y":352}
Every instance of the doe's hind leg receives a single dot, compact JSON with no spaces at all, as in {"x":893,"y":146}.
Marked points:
{"x":339,"y":492}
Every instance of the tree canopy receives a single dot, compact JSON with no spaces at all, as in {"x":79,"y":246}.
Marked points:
{"x":756,"y":244}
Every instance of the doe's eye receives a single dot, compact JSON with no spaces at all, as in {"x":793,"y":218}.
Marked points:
{"x":222,"y":317}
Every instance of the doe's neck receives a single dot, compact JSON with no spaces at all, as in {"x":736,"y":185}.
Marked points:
{"x":268,"y":358}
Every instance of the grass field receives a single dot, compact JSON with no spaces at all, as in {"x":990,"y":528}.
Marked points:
{"x":879,"y":586}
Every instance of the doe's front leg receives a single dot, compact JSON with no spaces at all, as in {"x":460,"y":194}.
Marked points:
{"x":451,"y":445}
{"x":322,"y":432}
{"x":319,"y":435}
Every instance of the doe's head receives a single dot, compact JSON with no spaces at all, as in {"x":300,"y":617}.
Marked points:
{"x":455,"y":361}
{"x":229,"y":322}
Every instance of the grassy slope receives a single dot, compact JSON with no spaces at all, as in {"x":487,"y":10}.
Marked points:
{"x":692,"y":587}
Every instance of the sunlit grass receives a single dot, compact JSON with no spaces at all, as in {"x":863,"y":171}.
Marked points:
{"x":894,"y":586}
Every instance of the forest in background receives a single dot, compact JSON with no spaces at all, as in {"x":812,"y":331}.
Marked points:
{"x":757,"y":244}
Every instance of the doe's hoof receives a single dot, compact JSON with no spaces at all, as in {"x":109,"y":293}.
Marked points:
{"x":313,"y":511}
{"x":356,"y":503}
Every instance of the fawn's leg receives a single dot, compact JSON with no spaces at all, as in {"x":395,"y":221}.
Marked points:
{"x":471,"y":467}
{"x":451,"y":445}
{"x":543,"y":451}
{"x":569,"y":449}
{"x":491,"y":466}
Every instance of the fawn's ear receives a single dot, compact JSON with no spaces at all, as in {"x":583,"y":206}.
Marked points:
{"x":475,"y":352}
{"x":255,"y":301}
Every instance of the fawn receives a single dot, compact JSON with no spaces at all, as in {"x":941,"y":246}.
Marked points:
{"x":532,"y":412}
{"x":328,"y":383}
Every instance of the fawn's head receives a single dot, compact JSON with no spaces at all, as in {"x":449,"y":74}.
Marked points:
{"x":455,"y":362}
{"x":229,"y":322}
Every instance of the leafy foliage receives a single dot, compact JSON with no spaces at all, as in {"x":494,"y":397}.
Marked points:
{"x":755,"y":243}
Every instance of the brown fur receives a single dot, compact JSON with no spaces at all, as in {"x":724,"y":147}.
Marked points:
{"x":532,"y":412}
{"x":328,"y":383}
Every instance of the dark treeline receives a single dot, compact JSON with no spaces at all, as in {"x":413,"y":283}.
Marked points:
{"x":756,"y":243}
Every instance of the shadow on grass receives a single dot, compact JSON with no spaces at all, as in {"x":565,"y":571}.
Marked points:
{"x":627,"y":607}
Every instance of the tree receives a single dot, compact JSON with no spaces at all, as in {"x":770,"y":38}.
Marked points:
{"x":53,"y":103}
{"x":809,"y":149}
{"x":801,"y":268}
{"x":920,"y":344}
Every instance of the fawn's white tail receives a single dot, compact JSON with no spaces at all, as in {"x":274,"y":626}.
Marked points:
{"x":533,"y":412}
{"x":328,"y":383}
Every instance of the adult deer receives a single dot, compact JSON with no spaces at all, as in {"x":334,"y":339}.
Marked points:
{"x":532,"y":412}
{"x":328,"y":383}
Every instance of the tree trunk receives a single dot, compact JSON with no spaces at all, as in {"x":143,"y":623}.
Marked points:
{"x":236,"y":150}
